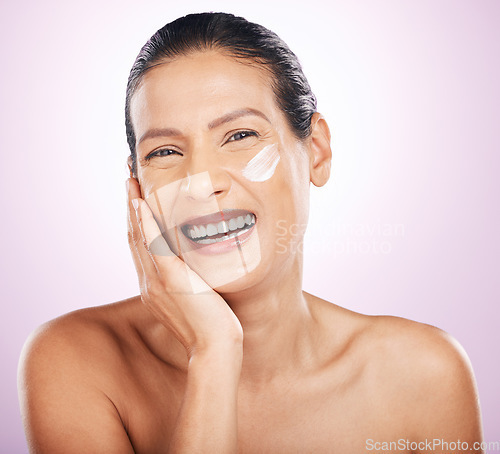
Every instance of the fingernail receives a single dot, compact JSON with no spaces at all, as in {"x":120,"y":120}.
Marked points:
{"x":135,"y":204}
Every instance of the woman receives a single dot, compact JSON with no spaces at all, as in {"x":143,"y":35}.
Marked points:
{"x":226,"y":353}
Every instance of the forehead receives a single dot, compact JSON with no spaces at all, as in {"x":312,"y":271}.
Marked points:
{"x":198,"y":88}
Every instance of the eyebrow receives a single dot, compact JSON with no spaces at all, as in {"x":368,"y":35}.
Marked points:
{"x":172,"y":132}
{"x":159,"y":132}
{"x":234,"y":115}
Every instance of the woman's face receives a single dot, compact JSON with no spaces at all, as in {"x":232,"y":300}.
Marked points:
{"x":220,"y":168}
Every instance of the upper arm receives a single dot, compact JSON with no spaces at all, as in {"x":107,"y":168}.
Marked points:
{"x":64,"y":408}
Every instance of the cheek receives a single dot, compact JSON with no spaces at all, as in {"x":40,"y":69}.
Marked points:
{"x":161,"y":199}
{"x":148,"y":180}
{"x":153,"y":180}
{"x":263,"y":165}
{"x":291,"y":193}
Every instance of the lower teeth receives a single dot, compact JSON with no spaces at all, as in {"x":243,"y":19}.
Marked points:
{"x":222,"y":238}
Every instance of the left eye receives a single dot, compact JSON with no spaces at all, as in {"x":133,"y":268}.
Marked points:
{"x":240,"y":135}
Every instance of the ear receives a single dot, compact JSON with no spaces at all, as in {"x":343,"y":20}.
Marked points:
{"x":320,"y":152}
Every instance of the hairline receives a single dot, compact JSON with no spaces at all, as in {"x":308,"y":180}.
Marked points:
{"x":254,"y":62}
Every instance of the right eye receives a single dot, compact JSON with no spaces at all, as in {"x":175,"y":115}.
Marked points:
{"x":161,"y":153}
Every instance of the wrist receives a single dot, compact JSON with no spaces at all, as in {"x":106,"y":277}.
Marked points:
{"x":228,"y":347}
{"x":216,"y":360}
{"x":217,"y":352}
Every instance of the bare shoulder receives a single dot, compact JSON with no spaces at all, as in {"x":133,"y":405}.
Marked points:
{"x":66,"y":380}
{"x":399,"y":347}
{"x":428,"y":348}
{"x":417,"y":376}
{"x":83,"y":337}
{"x":87,"y":348}
{"x":423,"y":375}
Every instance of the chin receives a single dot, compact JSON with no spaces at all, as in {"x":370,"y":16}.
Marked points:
{"x":228,"y":272}
{"x":239,"y":285}
{"x":227,"y":266}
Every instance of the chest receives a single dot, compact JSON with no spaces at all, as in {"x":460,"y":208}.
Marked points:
{"x":313,"y":420}
{"x":311,"y":417}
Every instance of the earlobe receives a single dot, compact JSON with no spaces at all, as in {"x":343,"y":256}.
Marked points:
{"x":320,"y":152}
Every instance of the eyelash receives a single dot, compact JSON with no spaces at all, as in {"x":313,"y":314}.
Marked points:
{"x":248,"y":134}
{"x":245,"y":133}
{"x":156,"y":153}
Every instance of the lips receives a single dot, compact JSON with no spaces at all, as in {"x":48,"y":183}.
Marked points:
{"x":218,"y":227}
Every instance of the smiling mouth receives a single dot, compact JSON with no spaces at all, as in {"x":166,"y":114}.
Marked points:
{"x":233,"y":223}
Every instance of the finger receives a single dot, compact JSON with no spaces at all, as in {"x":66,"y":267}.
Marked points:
{"x":167,"y":263}
{"x":140,"y":255}
{"x":154,"y":242}
{"x":156,"y":245}
{"x":133,"y":192}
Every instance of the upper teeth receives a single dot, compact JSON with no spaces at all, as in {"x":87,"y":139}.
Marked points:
{"x":203,"y":230}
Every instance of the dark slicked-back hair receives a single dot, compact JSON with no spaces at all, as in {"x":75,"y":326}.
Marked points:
{"x":241,"y":39}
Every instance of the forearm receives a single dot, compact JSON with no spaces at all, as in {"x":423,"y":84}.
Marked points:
{"x":207,"y":420}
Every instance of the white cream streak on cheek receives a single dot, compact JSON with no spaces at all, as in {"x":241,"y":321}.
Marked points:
{"x":261,"y":167}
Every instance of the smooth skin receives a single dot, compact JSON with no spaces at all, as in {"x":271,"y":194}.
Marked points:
{"x":256,"y":365}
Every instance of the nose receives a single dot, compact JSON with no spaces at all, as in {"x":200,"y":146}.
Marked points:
{"x":198,"y":186}
{"x":206,"y":179}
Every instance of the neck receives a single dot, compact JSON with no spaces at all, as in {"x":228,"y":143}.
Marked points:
{"x":277,"y":324}
{"x":280,"y":333}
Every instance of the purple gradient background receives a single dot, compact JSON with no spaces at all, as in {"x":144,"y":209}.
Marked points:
{"x":411,"y":92}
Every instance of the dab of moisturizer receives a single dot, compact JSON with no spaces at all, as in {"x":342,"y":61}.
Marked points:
{"x":261,"y":167}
